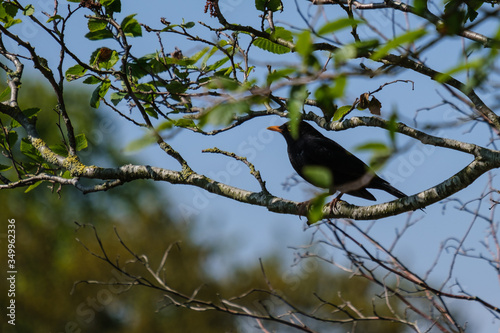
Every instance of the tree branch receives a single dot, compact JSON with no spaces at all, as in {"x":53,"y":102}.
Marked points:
{"x":425,"y":14}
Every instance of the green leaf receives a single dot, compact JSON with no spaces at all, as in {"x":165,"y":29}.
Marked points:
{"x":472,"y":7}
{"x":260,"y":4}
{"x":270,"y":46}
{"x":13,"y":124}
{"x":144,"y":91}
{"x":272,"y":5}
{"x":98,"y":35}
{"x":380,"y":146}
{"x":420,"y":6}
{"x":7,"y":13}
{"x":185,"y":123}
{"x":365,"y":46}
{"x":75,"y":72}
{"x":341,"y":112}
{"x":339,"y":87}
{"x":151,"y":112}
{"x":5,"y":94}
{"x":298,"y":94}
{"x":223,"y":83}
{"x":453,"y":19}
{"x":117,"y":97}
{"x":28,"y":150}
{"x":44,"y":63}
{"x":92,"y":80}
{"x":4,"y":167}
{"x":188,"y":25}
{"x":318,"y":175}
{"x":81,"y":142}
{"x":131,"y":26}
{"x":140,"y":143}
{"x":94,"y":57}
{"x":166,"y":125}
{"x":197,"y":56}
{"x":337,"y":25}
{"x":99,"y":93}
{"x":380,"y":153}
{"x":95,"y":98}
{"x":12,"y":137}
{"x":8,"y":9}
{"x":392,"y":126}
{"x":208,"y":55}
{"x":224,"y":72}
{"x":66,"y":174}
{"x":175,"y":87}
{"x":96,"y":25}
{"x":169,"y":27}
{"x":471,"y":64}
{"x":157,"y":65}
{"x":267,"y":45}
{"x":12,"y":22}
{"x":304,"y":44}
{"x":278,"y":74}
{"x":30,"y":112}
{"x":217,"y":64}
{"x":112,"y":6}
{"x":326,"y":94}
{"x":405,"y":38}
{"x":53,"y":18}
{"x":59,"y":149}
{"x":224,"y":113}
{"x":33,"y":186}
{"x":280,"y":32}
{"x":109,"y":63}
{"x":315,"y":212}
{"x":325,"y":98}
{"x":344,"y":53}
{"x":471,"y":14}
{"x":29,"y":10}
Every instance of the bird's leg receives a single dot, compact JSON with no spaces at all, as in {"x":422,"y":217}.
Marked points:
{"x":334,"y":201}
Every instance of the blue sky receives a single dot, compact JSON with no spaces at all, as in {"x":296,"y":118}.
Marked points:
{"x":250,"y":232}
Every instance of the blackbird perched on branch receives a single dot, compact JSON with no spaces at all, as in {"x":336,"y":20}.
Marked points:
{"x":349,"y":174}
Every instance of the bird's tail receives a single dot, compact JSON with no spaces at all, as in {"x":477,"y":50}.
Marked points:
{"x":381,"y":184}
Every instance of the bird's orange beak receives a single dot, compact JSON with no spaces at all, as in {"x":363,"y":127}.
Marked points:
{"x":275,"y":128}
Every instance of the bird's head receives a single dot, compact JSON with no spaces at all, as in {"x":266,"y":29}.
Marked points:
{"x":280,"y":129}
{"x":304,"y":130}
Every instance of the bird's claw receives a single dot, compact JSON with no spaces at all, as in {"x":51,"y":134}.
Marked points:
{"x":304,"y":207}
{"x":333,"y":204}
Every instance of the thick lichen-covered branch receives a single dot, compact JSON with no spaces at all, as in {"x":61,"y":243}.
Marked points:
{"x":127,"y":173}
{"x":485,"y":159}
{"x":450,"y":186}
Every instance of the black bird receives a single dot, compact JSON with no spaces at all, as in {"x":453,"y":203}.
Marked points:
{"x":350,"y":175}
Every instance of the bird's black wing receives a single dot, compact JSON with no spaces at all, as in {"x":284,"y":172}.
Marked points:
{"x":321,"y":151}
{"x":344,"y":166}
